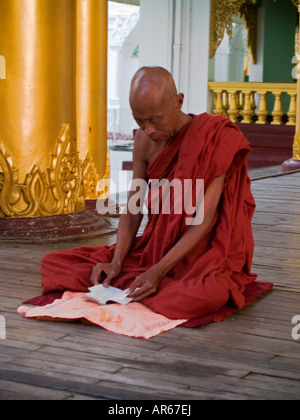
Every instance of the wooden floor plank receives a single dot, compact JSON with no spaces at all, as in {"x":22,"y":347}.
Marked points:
{"x":12,"y":391}
{"x":251,"y":355}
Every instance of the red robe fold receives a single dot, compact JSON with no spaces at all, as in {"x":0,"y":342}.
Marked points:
{"x":214,"y":279}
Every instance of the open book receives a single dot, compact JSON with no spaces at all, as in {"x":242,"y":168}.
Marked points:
{"x":102,"y":295}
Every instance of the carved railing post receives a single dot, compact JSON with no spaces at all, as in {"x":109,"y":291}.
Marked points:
{"x":242,"y":101}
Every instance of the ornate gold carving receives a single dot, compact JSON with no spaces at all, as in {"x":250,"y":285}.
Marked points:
{"x":221,"y":21}
{"x":92,"y":179}
{"x":297,"y":4}
{"x":103,"y":185}
{"x":59,"y":190}
{"x":249,"y":13}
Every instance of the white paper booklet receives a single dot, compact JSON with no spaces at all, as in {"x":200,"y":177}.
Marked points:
{"x":102,"y":295}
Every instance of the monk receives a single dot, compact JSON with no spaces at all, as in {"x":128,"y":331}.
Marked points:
{"x":178,"y":269}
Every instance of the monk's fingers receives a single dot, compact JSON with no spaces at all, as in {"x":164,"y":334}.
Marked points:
{"x":97,"y":274}
{"x":143,"y":293}
{"x":136,"y":284}
{"x":109,"y":274}
{"x":94,"y":276}
{"x":107,"y":280}
{"x":138,"y":291}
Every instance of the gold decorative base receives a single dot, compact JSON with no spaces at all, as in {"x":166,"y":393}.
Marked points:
{"x":291,"y":165}
{"x":60,"y":228}
{"x":59,"y":190}
{"x":294,"y":163}
{"x":62,"y":189}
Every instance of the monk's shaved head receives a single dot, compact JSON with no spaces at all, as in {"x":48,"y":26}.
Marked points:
{"x":155,"y":103}
{"x":151,"y":82}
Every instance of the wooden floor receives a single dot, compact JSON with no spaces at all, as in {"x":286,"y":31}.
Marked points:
{"x":251,"y":355}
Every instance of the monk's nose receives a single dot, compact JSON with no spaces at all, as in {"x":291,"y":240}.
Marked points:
{"x":149,"y":128}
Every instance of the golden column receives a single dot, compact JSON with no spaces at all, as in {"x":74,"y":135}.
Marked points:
{"x":52,"y":112}
{"x":39,"y":166}
{"x":294,"y":163}
{"x":53,"y":147}
{"x":296,"y":148}
{"x":91,"y":88}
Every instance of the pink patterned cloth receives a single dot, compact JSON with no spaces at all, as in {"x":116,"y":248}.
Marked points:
{"x":133,"y":320}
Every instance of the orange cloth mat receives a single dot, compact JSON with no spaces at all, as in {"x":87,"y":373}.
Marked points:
{"x":133,"y":320}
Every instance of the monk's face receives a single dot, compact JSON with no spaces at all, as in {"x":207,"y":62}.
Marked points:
{"x":157,"y":113}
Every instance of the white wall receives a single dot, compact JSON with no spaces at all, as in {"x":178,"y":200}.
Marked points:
{"x":229,"y":59}
{"x":156,"y":36}
{"x":175,"y":35}
{"x":123,"y":38}
{"x":195,"y":54}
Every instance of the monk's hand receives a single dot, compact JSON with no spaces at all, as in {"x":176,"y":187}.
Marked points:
{"x":145,"y":285}
{"x":104,"y":273}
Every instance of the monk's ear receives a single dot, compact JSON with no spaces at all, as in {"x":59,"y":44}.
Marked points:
{"x":179,"y":100}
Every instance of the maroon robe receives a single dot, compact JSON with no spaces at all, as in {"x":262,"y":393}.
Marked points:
{"x":215,"y":278}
